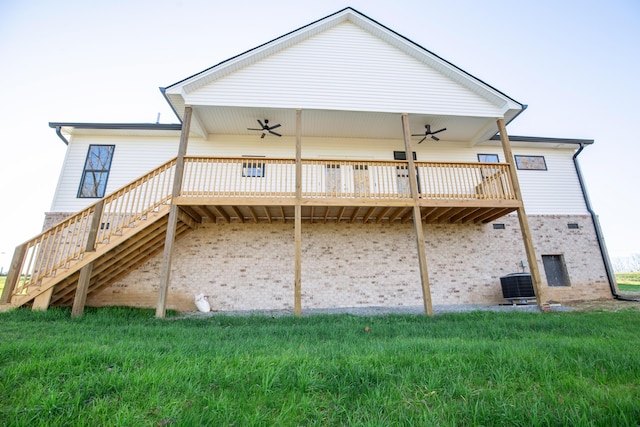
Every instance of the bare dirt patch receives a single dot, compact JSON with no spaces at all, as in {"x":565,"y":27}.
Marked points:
{"x":603,"y":305}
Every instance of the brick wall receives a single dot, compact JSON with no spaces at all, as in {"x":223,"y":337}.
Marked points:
{"x":250,"y":266}
{"x":53,"y":218}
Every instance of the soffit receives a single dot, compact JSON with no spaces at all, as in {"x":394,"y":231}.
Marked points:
{"x":338,"y":124}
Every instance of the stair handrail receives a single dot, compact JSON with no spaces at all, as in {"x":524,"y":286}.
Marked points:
{"x":56,"y":247}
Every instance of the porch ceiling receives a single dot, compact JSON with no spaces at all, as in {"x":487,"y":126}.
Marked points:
{"x":216,"y":120}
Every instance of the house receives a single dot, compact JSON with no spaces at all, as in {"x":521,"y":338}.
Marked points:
{"x":338,"y":165}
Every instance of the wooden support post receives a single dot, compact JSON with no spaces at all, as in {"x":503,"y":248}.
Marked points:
{"x":85,"y":272}
{"x":42,"y":301}
{"x":522,"y":217}
{"x":14,"y":273}
{"x":417,"y":218}
{"x":170,"y":237}
{"x":297,"y":284}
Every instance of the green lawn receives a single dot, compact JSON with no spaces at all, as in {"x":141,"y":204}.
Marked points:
{"x":631,"y":278}
{"x":124,"y":367}
{"x":628,"y":282}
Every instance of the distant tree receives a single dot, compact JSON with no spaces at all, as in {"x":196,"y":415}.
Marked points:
{"x":626,"y":264}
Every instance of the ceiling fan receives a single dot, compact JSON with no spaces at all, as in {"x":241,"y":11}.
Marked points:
{"x":428,"y":132}
{"x":265,"y":128}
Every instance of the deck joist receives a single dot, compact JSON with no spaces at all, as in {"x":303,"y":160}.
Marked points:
{"x":357,"y":211}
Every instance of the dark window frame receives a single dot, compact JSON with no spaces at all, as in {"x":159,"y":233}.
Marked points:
{"x":530,"y":167}
{"x":253,"y":169}
{"x":487,"y":172}
{"x":402,"y":172}
{"x":402,"y":155}
{"x":89,"y":170}
{"x":481,"y":160}
{"x":555,"y":269}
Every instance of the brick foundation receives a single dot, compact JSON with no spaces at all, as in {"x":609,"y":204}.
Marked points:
{"x":53,"y":218}
{"x":250,"y":266}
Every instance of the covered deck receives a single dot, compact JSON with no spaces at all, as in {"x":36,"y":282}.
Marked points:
{"x":263,"y":190}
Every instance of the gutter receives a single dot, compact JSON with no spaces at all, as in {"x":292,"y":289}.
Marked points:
{"x":60,"y":135}
{"x":598,"y":230}
{"x":112,"y":126}
{"x":118,"y":126}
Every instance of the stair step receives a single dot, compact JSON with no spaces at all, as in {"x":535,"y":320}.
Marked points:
{"x":101,"y":248}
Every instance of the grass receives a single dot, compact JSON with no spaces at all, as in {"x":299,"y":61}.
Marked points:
{"x":124,"y":367}
{"x":628,"y":282}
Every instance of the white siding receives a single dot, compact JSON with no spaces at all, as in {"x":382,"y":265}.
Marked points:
{"x":345,"y":68}
{"x":554,"y":191}
{"x":132,"y":158}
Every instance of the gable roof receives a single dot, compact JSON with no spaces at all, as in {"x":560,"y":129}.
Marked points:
{"x":250,"y":79}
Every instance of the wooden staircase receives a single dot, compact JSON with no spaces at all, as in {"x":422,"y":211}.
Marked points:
{"x":114,"y":236}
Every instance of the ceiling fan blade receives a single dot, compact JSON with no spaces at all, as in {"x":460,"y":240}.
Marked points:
{"x":438,"y":131}
{"x":260,"y":124}
{"x":275,"y":126}
{"x":417,"y":134}
{"x":253,"y":129}
{"x":419,"y":142}
{"x":435,"y":138}
{"x":262,"y":136}
{"x":274,"y":133}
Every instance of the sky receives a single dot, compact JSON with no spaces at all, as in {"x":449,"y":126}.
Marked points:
{"x":574,"y":63}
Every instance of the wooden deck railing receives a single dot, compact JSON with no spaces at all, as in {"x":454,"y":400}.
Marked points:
{"x":56,"y":247}
{"x":268,"y":177}
{"x":439,"y":180}
{"x":238,"y":176}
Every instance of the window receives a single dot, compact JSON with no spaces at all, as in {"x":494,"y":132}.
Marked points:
{"x":488,"y":158}
{"x":403,"y":173}
{"x":96,"y":171}
{"x":531,"y":163}
{"x":361,"y":180}
{"x":334,"y":179}
{"x":402,"y":155}
{"x":253,"y":169}
{"x":555,"y":270}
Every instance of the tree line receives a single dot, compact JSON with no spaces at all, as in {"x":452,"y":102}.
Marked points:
{"x":626,"y":264}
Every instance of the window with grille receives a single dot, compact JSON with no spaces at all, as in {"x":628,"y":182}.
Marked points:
{"x":253,"y":169}
{"x":96,"y":171}
{"x":402,"y":173}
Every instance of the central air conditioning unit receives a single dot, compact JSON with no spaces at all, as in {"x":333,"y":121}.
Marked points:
{"x":517,"y":286}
